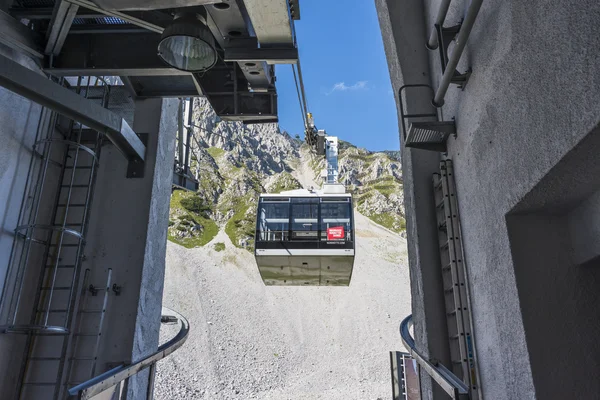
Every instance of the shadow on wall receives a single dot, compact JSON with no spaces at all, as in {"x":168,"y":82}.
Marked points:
{"x":555,"y":242}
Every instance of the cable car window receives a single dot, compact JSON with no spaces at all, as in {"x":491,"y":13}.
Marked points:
{"x":274,"y":221}
{"x":305,"y":219}
{"x":336,"y":221}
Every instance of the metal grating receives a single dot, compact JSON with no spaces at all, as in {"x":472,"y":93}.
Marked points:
{"x":36,"y":3}
{"x":430,"y":135}
{"x":99,"y":21}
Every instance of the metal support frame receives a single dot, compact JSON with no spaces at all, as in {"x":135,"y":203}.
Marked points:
{"x":128,"y":18}
{"x":283,"y":55}
{"x":424,"y":135}
{"x":444,"y":37}
{"x":63,"y":16}
{"x":294,"y":9}
{"x":16,"y":35}
{"x":403,"y":116}
{"x":37,"y":88}
{"x":111,"y":54}
{"x":182,"y":174}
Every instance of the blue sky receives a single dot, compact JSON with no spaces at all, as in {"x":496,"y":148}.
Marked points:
{"x":345,"y":75}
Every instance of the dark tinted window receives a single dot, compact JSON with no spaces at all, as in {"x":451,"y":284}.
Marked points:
{"x":273,"y":220}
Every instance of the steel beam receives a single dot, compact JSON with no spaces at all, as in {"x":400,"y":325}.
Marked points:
{"x":111,"y":54}
{"x":41,"y":90}
{"x":34,"y":13}
{"x":16,"y":35}
{"x":287,"y":55}
{"x":294,"y":9}
{"x":233,"y":24}
{"x":59,"y":26}
{"x":127,"y":18}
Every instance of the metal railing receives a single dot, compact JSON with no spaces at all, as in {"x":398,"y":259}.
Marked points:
{"x":115,"y":381}
{"x":449,"y":382}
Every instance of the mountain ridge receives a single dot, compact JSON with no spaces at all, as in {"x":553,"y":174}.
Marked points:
{"x":234,"y":163}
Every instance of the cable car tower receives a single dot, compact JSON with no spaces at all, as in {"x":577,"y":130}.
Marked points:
{"x":306,"y":236}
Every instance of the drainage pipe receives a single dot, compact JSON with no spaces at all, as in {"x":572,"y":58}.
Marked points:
{"x":461,"y":42}
{"x":432,"y":44}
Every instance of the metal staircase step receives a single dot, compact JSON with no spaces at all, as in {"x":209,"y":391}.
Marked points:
{"x":430,"y":135}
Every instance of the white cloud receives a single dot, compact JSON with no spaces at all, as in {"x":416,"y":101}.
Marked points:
{"x":342,"y":87}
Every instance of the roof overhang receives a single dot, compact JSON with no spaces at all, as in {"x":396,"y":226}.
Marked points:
{"x":120,"y":38}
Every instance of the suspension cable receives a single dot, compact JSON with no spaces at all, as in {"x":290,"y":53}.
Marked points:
{"x":299,"y":80}
{"x":300,"y":102}
{"x":305,"y":103}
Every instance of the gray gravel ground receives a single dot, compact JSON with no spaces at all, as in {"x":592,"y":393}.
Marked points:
{"x":249,"y":341}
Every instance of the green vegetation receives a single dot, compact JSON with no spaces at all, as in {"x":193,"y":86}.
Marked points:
{"x":359,"y":157}
{"x":219,"y":246}
{"x":242,"y":224}
{"x":386,"y":190}
{"x":343,"y":145}
{"x":391,"y":221}
{"x":183,"y":220}
{"x":384,"y":179}
{"x":194,"y":204}
{"x":215,"y":152}
{"x":285,"y":181}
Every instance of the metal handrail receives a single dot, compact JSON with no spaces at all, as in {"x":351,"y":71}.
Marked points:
{"x":113,"y":377}
{"x":449,"y":382}
{"x":461,"y":42}
{"x":432,"y":44}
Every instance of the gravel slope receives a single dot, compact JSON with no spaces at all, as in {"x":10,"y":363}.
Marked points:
{"x":249,"y":341}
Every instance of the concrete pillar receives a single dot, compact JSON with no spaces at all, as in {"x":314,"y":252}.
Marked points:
{"x":128,"y":233}
{"x":404,"y":35}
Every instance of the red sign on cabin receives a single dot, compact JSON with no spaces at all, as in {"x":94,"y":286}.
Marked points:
{"x":335,"y":233}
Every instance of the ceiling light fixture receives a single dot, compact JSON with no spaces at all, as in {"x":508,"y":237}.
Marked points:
{"x":187,"y":44}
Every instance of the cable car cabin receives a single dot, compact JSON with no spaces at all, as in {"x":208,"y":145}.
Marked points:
{"x":305,"y":238}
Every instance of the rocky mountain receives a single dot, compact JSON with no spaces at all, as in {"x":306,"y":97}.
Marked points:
{"x":251,"y":341}
{"x":234,"y":163}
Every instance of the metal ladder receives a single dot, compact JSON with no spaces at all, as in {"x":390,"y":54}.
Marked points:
{"x":48,"y":253}
{"x":458,"y":311}
{"x":86,"y":339}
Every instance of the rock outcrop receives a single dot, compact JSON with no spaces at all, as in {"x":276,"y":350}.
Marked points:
{"x":234,"y":163}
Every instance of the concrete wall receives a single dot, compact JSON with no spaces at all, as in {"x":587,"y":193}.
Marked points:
{"x":18,"y":126}
{"x":408,"y":64}
{"x":532,"y":98}
{"x":128,"y":233}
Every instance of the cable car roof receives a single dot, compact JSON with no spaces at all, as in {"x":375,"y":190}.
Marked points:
{"x":304,"y":193}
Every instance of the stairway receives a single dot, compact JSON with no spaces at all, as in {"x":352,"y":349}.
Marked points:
{"x":456,"y":297}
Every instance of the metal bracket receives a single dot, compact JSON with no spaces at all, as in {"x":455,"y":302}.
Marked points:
{"x":117,"y":289}
{"x":168,"y":319}
{"x":445,"y":36}
{"x":93,"y":290}
{"x":135,"y":166}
